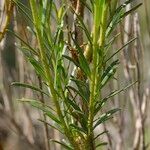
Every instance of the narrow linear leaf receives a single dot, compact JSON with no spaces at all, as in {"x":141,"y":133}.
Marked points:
{"x":71,"y":60}
{"x":121,"y":48}
{"x":81,"y":118}
{"x":82,"y":87}
{"x":52,"y":126}
{"x":73,"y":104}
{"x":28,"y":86}
{"x":106,"y":116}
{"x":38,"y":67}
{"x":86,"y":5}
{"x":78,"y":92}
{"x":77,"y":128}
{"x":83,"y":26}
{"x":42,"y":107}
{"x":25,"y":10}
{"x":103,"y":101}
{"x":100,"y":134}
{"x":25,"y":50}
{"x":84,"y":65}
{"x":66,"y":146}
{"x":109,"y":72}
{"x":30,"y":48}
{"x":101,"y":144}
{"x":131,"y":10}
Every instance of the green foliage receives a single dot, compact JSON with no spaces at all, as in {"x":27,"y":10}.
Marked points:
{"x":76,"y":95}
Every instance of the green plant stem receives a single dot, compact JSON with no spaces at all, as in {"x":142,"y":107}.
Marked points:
{"x":43,"y":57}
{"x":103,"y":27}
{"x":44,"y":61}
{"x":90,"y":144}
{"x":100,"y":20}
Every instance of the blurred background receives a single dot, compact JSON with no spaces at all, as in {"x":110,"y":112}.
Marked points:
{"x":20,"y":128}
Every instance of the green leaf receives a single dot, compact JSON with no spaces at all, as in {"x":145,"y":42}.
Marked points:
{"x":131,"y":10}
{"x":101,"y":144}
{"x":24,"y":9}
{"x":83,"y":87}
{"x":101,"y":103}
{"x":73,"y":104}
{"x":83,"y":26}
{"x":100,"y":134}
{"x":77,"y":128}
{"x":110,"y":43}
{"x":26,"y":51}
{"x":38,"y":67}
{"x":52,"y":126}
{"x":121,"y":48}
{"x":109,"y":72}
{"x":72,"y":60}
{"x":26,"y":44}
{"x":81,"y":118}
{"x":84,"y":65}
{"x":42,"y":107}
{"x":32,"y":87}
{"x":119,"y":15}
{"x":86,"y":5}
{"x":106,"y":116}
{"x":115,"y":19}
{"x":64,"y":145}
{"x":78,"y":92}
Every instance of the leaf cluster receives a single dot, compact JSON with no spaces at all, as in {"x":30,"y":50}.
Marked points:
{"x":73,"y":85}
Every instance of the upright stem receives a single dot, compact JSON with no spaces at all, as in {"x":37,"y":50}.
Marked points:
{"x":100,"y":20}
{"x":43,"y":57}
{"x":44,"y":61}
